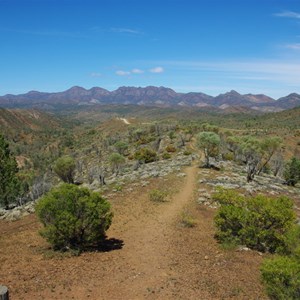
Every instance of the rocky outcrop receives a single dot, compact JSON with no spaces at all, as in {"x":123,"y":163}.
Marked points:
{"x":234,"y":177}
{"x":17,"y":212}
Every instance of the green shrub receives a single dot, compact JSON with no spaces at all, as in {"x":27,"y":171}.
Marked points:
{"x":187,"y":220}
{"x":166,"y":155}
{"x":172,"y":135}
{"x":10,"y":185}
{"x":228,"y":156}
{"x":170,"y":148}
{"x":158,"y":195}
{"x":260,"y":222}
{"x":291,"y":242}
{"x":121,"y":147}
{"x":292,"y":171}
{"x":281,"y":276}
{"x":187,"y":152}
{"x":116,"y":161}
{"x":65,"y":168}
{"x":73,"y":217}
{"x":209,"y":142}
{"x":145,"y":155}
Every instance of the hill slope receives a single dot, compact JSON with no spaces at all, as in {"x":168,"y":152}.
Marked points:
{"x":20,"y":120}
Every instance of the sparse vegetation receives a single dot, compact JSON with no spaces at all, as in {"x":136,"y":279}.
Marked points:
{"x":170,"y":148}
{"x":187,"y":220}
{"x":102,"y":147}
{"x":158,"y":195}
{"x":166,"y":155}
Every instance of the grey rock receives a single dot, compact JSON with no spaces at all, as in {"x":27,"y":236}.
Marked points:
{"x":2,"y":212}
{"x":181,"y":175}
{"x":14,"y":215}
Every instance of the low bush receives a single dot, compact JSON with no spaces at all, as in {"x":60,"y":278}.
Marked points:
{"x":260,"y":222}
{"x":228,"y":156}
{"x":145,"y":155}
{"x":73,"y":217}
{"x":187,"y":220}
{"x":166,"y":155}
{"x":187,"y":152}
{"x":158,"y":195}
{"x":281,"y":277}
{"x":121,"y":147}
{"x":170,"y":149}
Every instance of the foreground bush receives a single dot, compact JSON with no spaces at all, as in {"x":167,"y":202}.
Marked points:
{"x":260,"y":222}
{"x":281,"y":276}
{"x":73,"y":217}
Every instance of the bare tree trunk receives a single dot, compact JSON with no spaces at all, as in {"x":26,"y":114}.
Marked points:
{"x":206,"y":158}
{"x":182,"y":141}
{"x":157,"y":144}
{"x":264,"y":164}
{"x":251,"y":170}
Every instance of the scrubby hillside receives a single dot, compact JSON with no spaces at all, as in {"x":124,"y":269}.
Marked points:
{"x":149,"y":170}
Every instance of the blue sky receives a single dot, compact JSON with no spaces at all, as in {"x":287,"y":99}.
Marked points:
{"x":210,"y":46}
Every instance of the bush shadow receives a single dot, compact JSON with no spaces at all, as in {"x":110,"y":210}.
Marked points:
{"x":110,"y":244}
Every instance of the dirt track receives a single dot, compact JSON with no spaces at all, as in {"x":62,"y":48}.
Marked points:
{"x":152,"y":255}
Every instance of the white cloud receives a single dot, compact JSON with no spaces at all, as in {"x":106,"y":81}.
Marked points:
{"x":122,"y":73}
{"x":125,"y":30}
{"x":288,"y":14}
{"x":157,"y":70}
{"x":283,"y":72}
{"x":137,"y":71}
{"x":295,"y":46}
{"x":95,"y":74}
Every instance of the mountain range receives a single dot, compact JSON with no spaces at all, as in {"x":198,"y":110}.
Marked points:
{"x":149,"y":96}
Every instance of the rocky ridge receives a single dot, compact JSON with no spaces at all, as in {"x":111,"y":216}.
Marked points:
{"x":149,"y":96}
{"x":230,"y":176}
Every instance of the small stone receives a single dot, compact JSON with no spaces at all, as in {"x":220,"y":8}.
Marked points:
{"x":243,"y":248}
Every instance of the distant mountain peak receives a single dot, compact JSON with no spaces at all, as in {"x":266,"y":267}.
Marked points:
{"x":149,"y":96}
{"x":233,"y":92}
{"x":76,"y":88}
{"x":32,"y":92}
